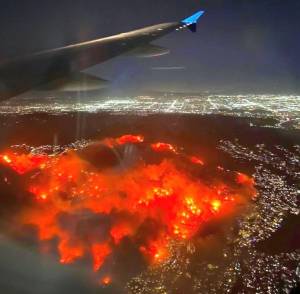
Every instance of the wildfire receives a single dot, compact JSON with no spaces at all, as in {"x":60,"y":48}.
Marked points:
{"x":89,"y":212}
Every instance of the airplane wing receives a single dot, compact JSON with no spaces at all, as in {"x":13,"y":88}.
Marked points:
{"x":58,"y":66}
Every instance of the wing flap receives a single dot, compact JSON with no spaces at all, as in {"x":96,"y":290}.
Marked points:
{"x":148,"y":51}
{"x":74,"y":83}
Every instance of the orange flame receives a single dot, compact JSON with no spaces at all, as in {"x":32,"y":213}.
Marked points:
{"x":163,"y":147}
{"x":196,"y":160}
{"x":23,"y":163}
{"x":100,"y":252}
{"x":130,"y":139}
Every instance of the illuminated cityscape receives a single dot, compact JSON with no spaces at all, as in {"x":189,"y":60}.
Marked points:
{"x":283,"y":109}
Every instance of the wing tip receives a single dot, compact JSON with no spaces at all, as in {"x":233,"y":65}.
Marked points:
{"x":193,"y":19}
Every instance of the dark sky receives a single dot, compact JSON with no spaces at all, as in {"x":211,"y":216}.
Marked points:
{"x":241,"y":45}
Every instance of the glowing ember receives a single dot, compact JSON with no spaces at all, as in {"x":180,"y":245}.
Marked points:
{"x":244,"y":179}
{"x":23,"y":163}
{"x":156,"y":251}
{"x":196,"y":160}
{"x":90,"y":211}
{"x":130,"y":139}
{"x":216,"y":205}
{"x":105,"y":281}
{"x":6,"y":158}
{"x":163,"y":147}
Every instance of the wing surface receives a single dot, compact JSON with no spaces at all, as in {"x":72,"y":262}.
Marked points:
{"x":24,"y":73}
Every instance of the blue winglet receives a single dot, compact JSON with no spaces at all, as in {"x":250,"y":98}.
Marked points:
{"x":191,"y":21}
{"x":194,"y":18}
